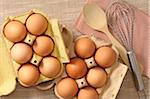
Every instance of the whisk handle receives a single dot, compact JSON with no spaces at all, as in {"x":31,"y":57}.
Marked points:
{"x":136,"y":71}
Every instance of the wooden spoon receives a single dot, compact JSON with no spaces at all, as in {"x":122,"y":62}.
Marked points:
{"x":95,"y":17}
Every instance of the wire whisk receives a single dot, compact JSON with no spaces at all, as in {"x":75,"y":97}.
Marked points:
{"x":121,"y":19}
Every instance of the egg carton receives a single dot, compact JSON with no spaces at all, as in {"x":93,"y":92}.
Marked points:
{"x":115,"y":73}
{"x":54,"y":31}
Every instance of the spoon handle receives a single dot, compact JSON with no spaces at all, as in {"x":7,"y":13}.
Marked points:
{"x":120,"y":48}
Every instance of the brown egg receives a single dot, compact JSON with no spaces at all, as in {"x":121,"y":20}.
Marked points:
{"x":105,"y":57}
{"x":77,"y":68}
{"x":21,"y":53}
{"x":43,"y":45}
{"x":67,"y":88}
{"x":36,"y":24}
{"x":15,"y":31}
{"x":28,"y":74}
{"x":84,"y":47}
{"x":88,"y":93}
{"x":50,"y":67}
{"x":96,"y":77}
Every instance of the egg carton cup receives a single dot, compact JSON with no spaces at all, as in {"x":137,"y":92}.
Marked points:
{"x":116,"y":73}
{"x":54,"y":30}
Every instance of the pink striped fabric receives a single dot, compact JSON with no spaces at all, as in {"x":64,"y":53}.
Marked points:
{"x":141,"y":35}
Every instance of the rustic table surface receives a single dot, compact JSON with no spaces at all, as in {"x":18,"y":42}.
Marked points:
{"x":66,"y":11}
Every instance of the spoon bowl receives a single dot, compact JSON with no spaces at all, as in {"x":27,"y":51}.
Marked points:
{"x":95,"y":17}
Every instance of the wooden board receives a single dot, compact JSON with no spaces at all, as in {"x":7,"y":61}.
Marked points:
{"x":66,"y":11}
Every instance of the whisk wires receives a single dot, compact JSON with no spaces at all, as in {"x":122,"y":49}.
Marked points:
{"x":120,"y":18}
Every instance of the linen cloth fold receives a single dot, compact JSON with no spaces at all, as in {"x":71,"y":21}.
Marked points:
{"x":141,"y":35}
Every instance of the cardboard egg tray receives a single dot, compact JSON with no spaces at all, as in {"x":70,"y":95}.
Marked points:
{"x":54,"y":30}
{"x":116,"y":74}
